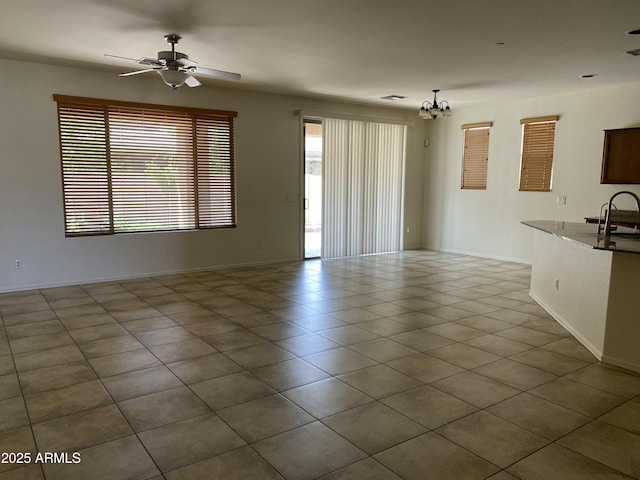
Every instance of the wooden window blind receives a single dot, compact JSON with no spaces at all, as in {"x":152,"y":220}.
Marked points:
{"x":536,"y":167}
{"x":475,"y":160}
{"x":130,"y":167}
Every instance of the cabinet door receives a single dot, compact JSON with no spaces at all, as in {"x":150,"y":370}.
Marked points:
{"x":621,"y":156}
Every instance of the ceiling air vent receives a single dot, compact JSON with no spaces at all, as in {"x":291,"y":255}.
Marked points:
{"x":635,"y":52}
{"x":393,"y":97}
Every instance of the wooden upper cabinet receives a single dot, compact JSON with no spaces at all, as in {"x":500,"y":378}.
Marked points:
{"x":621,"y":156}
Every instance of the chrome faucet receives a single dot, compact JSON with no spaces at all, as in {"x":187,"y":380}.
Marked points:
{"x":607,"y":223}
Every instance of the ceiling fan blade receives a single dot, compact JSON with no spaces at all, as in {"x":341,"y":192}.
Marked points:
{"x":185,"y":62}
{"x":192,"y":81}
{"x":151,"y":61}
{"x":137,"y":72}
{"x":216,"y":73}
{"x":118,"y":56}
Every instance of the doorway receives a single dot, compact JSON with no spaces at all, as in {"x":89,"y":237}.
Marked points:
{"x":312,"y":188}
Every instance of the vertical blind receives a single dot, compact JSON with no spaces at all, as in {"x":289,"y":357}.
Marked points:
{"x":363,"y":183}
{"x":476,"y":156}
{"x":143,"y":168}
{"x":538,"y":139}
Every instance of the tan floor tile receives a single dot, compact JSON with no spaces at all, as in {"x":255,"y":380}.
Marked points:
{"x":289,"y":374}
{"x":27,"y":472}
{"x":555,"y":461}
{"x":339,"y":360}
{"x":109,"y":346}
{"x":240,"y":464}
{"x":9,"y":386}
{"x":529,"y":336}
{"x":449,"y":313}
{"x":123,"y":458}
{"x":355,"y":315}
{"x":382,"y":350}
{"x":539,"y":416}
{"x":47,"y":358}
{"x":327,"y":397}
{"x":148,"y":324}
{"x":484,"y":323}
{"x":424,"y":367}
{"x":578,"y":397}
{"x":223,"y":392}
{"x":40,"y":328}
{"x":307,"y":344}
{"x":445,"y":460}
{"x":13,"y":413}
{"x":78,"y":311}
{"x":498,"y":441}
{"x":162,"y":408}
{"x":429,"y":406}
{"x":515,"y":374}
{"x":204,"y":368}
{"x":164,"y":336}
{"x":64,"y":401}
{"x":141,"y":382}
{"x":421,"y":340}
{"x":186,"y":350}
{"x":373,"y":427}
{"x":512,"y":316}
{"x":379,"y":381}
{"x":85,"y":321}
{"x":498,"y":345}
{"x":81,"y":430}
{"x":315,"y":322}
{"x":39,"y":342}
{"x":607,"y":444}
{"x":279,"y":330}
{"x":19,"y":439}
{"x":571,"y":348}
{"x":418,"y":319}
{"x":385,"y":326}
{"x":136,"y":314}
{"x":118,"y":363}
{"x":212,"y":327}
{"x":475,"y":389}
{"x":264,"y":417}
{"x":189,"y":441}
{"x":626,"y":416}
{"x":610,"y":379}
{"x":367,"y":468}
{"x":348,"y":335}
{"x":463,"y":355}
{"x":58,"y":376}
{"x":28,"y":317}
{"x":308,"y":452}
{"x":552,"y":362}
{"x":259,"y":355}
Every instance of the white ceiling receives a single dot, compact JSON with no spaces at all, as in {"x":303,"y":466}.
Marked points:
{"x":359,"y":50}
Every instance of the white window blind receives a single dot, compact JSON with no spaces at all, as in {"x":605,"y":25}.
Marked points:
{"x":363,"y":183}
{"x":144,"y":168}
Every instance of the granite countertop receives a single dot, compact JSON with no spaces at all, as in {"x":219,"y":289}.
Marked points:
{"x":586,"y":234}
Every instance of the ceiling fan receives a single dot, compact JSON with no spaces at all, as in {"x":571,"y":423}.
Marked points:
{"x":175,"y":68}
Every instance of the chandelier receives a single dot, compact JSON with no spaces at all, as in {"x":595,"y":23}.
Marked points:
{"x":435,"y":109}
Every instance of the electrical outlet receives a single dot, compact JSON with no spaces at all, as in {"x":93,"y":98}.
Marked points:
{"x":17,"y":263}
{"x":261,"y":244}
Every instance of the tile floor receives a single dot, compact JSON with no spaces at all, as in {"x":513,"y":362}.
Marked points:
{"x":416,"y":365}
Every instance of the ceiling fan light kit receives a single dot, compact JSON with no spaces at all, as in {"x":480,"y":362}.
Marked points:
{"x":175,"y":68}
{"x":433,"y":110}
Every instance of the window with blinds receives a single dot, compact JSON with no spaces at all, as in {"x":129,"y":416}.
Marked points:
{"x":130,"y":167}
{"x":536,"y":167}
{"x":475,"y":160}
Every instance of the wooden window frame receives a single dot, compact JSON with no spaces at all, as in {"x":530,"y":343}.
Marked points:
{"x":136,"y":167}
{"x":536,"y":160}
{"x":475,"y":156}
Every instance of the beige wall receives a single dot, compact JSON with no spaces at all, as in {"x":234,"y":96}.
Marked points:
{"x":268,"y":154}
{"x":487,"y":223}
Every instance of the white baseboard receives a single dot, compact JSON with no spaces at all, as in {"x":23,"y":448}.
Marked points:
{"x":480,"y":255}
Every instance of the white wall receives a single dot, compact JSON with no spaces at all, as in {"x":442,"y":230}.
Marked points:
{"x":487,"y":223}
{"x":268,"y":156}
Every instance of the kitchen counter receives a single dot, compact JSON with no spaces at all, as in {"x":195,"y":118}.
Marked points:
{"x":589,"y":284}
{"x":586,"y":234}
